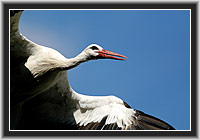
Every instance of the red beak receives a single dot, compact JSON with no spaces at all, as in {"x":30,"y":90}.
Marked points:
{"x":108,"y":54}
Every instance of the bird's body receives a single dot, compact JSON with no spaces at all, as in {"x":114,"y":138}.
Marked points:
{"x":42,"y":98}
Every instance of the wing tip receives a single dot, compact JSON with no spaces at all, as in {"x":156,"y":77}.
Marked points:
{"x":13,"y":12}
{"x":153,"y":121}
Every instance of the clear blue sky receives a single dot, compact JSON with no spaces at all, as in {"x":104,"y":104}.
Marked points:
{"x":156,"y":76}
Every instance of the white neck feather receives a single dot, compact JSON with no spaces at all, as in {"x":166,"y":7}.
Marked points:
{"x":50,"y":60}
{"x":73,"y":62}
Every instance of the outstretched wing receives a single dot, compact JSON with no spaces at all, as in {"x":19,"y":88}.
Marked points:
{"x":60,"y":108}
{"x":118,"y":117}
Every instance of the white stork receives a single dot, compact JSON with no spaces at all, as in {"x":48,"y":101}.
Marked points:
{"x":42,"y":98}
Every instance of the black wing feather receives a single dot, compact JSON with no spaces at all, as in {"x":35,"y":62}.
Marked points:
{"x":148,"y":122}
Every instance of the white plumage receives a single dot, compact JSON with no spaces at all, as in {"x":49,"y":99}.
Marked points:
{"x":42,"y":98}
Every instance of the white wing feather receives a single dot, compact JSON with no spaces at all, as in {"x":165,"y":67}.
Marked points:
{"x":111,"y":107}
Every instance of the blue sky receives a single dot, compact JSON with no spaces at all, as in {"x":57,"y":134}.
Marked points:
{"x":156,"y":76}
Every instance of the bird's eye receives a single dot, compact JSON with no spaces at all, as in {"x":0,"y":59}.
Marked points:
{"x":94,"y":48}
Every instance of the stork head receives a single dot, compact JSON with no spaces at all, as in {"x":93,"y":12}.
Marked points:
{"x":95,"y":51}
